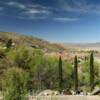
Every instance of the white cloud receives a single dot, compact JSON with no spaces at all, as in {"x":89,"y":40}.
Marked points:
{"x":29,"y":11}
{"x":32,"y":17}
{"x":26,"y":6}
{"x":79,"y":6}
{"x":16,"y":4}
{"x":37,"y":6}
{"x":36,"y":11}
{"x":65,"y":19}
{"x":32,"y":11}
{"x":34,"y":14}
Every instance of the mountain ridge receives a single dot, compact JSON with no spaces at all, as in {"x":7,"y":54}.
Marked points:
{"x":31,"y":41}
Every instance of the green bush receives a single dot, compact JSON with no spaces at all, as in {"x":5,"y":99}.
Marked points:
{"x":15,"y":84}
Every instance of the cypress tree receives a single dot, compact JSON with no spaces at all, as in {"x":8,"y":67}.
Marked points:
{"x":91,"y":71}
{"x":60,"y":74}
{"x":76,"y":73}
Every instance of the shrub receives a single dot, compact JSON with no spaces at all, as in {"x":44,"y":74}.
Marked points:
{"x":15,"y":84}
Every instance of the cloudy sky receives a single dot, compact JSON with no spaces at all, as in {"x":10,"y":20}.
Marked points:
{"x":53,"y":20}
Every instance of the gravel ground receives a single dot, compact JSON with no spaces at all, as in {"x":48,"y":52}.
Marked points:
{"x":65,"y":98}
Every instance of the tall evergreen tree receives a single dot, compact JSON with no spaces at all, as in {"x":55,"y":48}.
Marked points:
{"x":92,"y":71}
{"x":60,"y":74}
{"x":76,"y":73}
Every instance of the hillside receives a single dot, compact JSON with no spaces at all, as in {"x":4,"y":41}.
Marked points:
{"x":19,"y":56}
{"x":68,"y":50}
{"x":39,"y":59}
{"x":30,"y":41}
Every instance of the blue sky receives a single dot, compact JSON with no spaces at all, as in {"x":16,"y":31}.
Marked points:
{"x":53,"y":20}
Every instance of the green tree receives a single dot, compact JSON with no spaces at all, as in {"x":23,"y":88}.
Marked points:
{"x":76,"y":73}
{"x":60,"y":75}
{"x":92,"y":71}
{"x":21,"y":57}
{"x":84,"y":75}
{"x":9,"y":43}
{"x":30,"y":60}
{"x":49,"y":76}
{"x":67,"y":75}
{"x":15,"y":84}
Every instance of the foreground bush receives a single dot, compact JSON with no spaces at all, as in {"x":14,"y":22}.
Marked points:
{"x":15,"y":84}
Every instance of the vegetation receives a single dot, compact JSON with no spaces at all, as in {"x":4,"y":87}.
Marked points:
{"x":15,"y":84}
{"x":76,"y":73}
{"x":26,"y":68}
{"x":60,"y":75}
{"x":9,"y":43}
{"x":92,"y":71}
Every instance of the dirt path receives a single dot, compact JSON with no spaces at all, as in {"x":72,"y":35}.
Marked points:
{"x":66,"y":98}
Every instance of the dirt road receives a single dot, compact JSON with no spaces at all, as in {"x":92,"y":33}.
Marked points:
{"x":66,"y":98}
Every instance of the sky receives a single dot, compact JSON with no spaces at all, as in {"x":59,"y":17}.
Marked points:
{"x":64,"y":21}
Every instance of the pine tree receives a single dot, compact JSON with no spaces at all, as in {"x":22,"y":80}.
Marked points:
{"x":60,"y":74}
{"x":76,"y":73}
{"x":91,"y":71}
